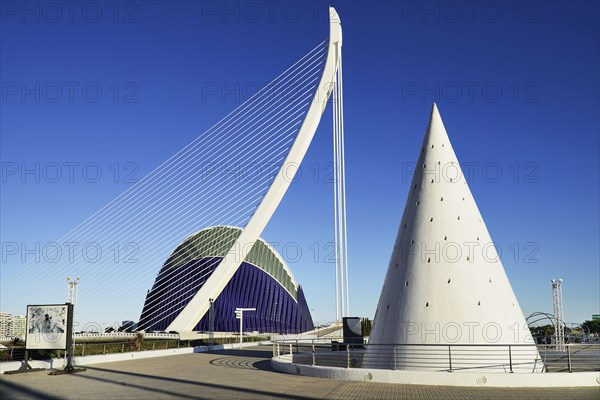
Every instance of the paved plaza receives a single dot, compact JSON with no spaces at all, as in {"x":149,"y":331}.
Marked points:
{"x":235,"y":374}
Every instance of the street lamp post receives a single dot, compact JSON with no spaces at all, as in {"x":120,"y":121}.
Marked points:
{"x":72,"y":290}
{"x":70,"y":348}
{"x":72,"y":298}
{"x":211,"y":324}
{"x":239,"y":314}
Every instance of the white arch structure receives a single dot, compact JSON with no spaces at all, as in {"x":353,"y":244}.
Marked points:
{"x":193,"y":312}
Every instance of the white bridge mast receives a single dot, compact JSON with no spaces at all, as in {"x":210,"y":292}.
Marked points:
{"x":193,"y":312}
{"x":342,"y":307}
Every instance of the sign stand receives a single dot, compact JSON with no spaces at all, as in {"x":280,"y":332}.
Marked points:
{"x":239,"y":314}
{"x":47,"y":326}
{"x":25,"y":367}
{"x":69,"y":368}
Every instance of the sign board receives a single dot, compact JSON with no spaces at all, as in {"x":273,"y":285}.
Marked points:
{"x":47,"y":326}
{"x":352,"y":329}
{"x":239,"y":312}
{"x":595,"y":316}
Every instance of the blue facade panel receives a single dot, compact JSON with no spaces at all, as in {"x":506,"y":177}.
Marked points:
{"x":250,"y":287}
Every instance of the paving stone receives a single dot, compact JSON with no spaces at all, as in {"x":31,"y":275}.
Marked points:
{"x":237,"y":374}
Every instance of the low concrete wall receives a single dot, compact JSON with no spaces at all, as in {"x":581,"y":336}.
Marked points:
{"x":57,"y":363}
{"x":284,"y":363}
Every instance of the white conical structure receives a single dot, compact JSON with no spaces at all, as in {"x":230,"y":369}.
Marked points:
{"x":445,"y":284}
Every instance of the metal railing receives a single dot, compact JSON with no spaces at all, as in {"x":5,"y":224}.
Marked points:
{"x":147,"y":335}
{"x":17,"y":353}
{"x":128,"y":344}
{"x":521,"y":358}
{"x":104,"y":336}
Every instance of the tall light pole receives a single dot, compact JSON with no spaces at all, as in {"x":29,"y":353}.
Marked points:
{"x":72,"y":298}
{"x":559,"y":332}
{"x":211,"y":324}
{"x":239,"y":314}
{"x":72,"y":290}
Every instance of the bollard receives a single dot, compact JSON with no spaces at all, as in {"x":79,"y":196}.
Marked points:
{"x":348,"y":356}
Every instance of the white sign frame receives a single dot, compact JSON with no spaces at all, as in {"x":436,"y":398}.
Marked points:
{"x":47,"y":327}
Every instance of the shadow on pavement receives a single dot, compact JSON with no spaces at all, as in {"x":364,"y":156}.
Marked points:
{"x":242,"y":363}
{"x":266,"y":353}
{"x":244,"y":358}
{"x":152,"y":389}
{"x":11,"y":390}
{"x":231,"y":389}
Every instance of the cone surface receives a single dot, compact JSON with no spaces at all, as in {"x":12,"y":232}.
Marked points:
{"x":445,"y":283}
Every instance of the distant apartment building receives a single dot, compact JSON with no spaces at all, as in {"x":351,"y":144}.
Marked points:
{"x":18,"y":325}
{"x":6,"y":324}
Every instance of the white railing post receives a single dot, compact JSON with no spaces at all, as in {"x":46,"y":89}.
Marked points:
{"x":348,"y":355}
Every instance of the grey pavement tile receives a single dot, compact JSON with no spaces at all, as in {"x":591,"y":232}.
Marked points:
{"x":237,"y":374}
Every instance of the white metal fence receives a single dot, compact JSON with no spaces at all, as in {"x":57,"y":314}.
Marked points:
{"x":442,"y":357}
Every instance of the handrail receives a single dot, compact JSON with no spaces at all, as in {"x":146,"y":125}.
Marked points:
{"x":492,"y":357}
{"x":328,"y":339}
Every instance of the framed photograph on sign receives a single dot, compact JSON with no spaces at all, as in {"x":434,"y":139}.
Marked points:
{"x":47,"y":326}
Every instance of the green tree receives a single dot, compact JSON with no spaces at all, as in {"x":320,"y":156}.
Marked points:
{"x":366,"y":326}
{"x":593,"y":325}
{"x":542,"y":330}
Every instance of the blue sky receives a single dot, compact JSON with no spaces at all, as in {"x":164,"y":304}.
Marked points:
{"x":517,"y":85}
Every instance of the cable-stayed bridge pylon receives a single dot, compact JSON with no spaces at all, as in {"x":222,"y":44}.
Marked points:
{"x":132,"y":236}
